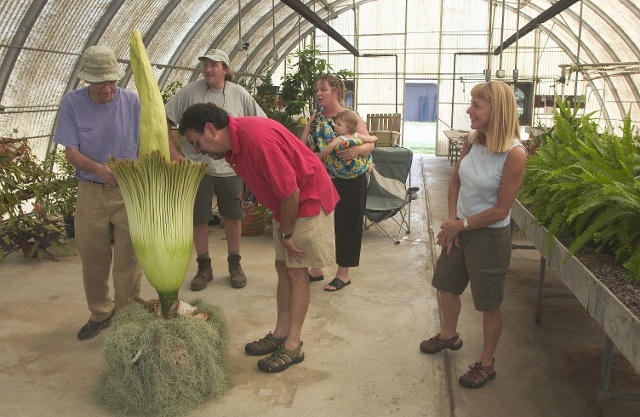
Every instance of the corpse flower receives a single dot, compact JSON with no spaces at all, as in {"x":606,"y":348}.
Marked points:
{"x":158,"y":194}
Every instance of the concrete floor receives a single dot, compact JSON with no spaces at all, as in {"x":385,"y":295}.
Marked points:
{"x":361,"y":343}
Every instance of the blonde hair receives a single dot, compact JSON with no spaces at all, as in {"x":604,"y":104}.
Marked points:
{"x":503,"y":122}
{"x":350,"y":118}
{"x":335,"y":83}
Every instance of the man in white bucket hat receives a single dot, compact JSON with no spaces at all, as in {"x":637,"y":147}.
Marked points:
{"x":96,"y":122}
{"x":215,"y":87}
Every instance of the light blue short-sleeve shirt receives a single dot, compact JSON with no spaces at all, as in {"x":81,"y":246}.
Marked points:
{"x":99,"y":131}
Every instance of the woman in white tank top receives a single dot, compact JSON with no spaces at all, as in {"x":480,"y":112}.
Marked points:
{"x":476,"y":238}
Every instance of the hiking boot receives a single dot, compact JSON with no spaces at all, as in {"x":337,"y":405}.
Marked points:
{"x":238,"y":280}
{"x":204,"y":274}
{"x":92,"y":328}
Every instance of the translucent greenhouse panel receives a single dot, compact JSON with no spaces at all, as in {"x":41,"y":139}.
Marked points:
{"x":41,"y":72}
{"x":172,"y":36}
{"x":179,"y":76}
{"x":18,"y":127}
{"x":137,"y":15}
{"x":12,"y":13}
{"x":31,"y":92}
{"x":382,"y":16}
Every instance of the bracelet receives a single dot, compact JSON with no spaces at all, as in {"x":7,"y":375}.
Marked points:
{"x":465,"y":224}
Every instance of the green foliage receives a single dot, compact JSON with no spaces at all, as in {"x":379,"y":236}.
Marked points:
{"x":63,"y":184}
{"x":31,"y":200}
{"x":581,"y":185}
{"x":170,"y":90}
{"x":298,"y":89}
{"x":267,"y":100}
{"x":269,"y":103}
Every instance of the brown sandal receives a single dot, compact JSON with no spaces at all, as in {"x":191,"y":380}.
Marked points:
{"x":281,"y":359}
{"x":264,"y":346}
{"x":436,"y":344}
{"x":478,"y":375}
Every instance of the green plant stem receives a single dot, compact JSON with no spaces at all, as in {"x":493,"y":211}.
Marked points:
{"x":166,"y":301}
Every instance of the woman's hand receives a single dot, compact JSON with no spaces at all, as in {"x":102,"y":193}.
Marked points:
{"x":347,"y":153}
{"x":355,"y":151}
{"x":448,"y":236}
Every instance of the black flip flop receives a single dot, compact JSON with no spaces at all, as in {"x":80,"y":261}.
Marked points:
{"x":315,"y":279}
{"x":338,"y":284}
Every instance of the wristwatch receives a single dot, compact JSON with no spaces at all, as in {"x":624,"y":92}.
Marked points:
{"x":284,"y":236}
{"x":465,"y":224}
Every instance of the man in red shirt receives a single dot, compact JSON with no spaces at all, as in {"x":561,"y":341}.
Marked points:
{"x":289,"y":179}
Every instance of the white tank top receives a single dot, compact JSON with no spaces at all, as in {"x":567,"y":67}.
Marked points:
{"x":480,"y":176}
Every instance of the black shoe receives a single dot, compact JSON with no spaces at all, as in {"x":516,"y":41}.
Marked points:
{"x":92,"y":328}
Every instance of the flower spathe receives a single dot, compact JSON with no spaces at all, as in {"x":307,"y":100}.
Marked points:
{"x":159,"y":198}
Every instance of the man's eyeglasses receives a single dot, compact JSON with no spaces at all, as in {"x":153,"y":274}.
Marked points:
{"x":195,"y":143}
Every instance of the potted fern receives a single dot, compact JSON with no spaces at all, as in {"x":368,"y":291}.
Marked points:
{"x":582,"y":189}
{"x":584,"y":186}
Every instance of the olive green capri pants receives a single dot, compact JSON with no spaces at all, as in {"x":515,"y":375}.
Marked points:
{"x":482,"y":259}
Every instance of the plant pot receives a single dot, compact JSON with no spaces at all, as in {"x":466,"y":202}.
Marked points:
{"x":297,"y":130}
{"x":69,"y":227}
{"x":253,"y":224}
{"x":26,"y":250}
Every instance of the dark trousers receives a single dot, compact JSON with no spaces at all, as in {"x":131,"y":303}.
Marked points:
{"x":348,"y":219}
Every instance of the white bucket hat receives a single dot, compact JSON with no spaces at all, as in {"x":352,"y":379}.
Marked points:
{"x":99,"y":65}
{"x":216,"y":55}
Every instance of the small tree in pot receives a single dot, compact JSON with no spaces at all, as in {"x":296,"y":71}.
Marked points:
{"x":298,"y":89}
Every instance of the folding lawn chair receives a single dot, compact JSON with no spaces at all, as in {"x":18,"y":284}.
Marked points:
{"x":388,"y":196}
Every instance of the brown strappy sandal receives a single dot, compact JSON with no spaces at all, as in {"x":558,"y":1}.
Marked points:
{"x":436,"y":344}
{"x":478,"y":375}
{"x":264,"y":346}
{"x":281,"y":359}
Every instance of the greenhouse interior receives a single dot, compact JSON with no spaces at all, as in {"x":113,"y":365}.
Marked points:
{"x":569,"y":321}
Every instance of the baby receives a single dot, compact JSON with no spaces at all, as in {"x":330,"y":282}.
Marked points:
{"x":346,"y":134}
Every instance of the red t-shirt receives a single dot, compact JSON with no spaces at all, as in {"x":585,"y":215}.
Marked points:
{"x":273,"y":162}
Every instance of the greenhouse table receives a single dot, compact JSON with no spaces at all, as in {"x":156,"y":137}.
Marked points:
{"x":621,"y":326}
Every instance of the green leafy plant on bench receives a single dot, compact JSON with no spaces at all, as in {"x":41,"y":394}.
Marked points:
{"x":584,"y":186}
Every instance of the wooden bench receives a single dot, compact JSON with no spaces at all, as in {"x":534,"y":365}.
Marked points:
{"x":386,"y":126}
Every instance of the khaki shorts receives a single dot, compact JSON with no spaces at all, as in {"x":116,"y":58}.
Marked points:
{"x":315,"y":236}
{"x":482,"y":260}
{"x":226,"y":190}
